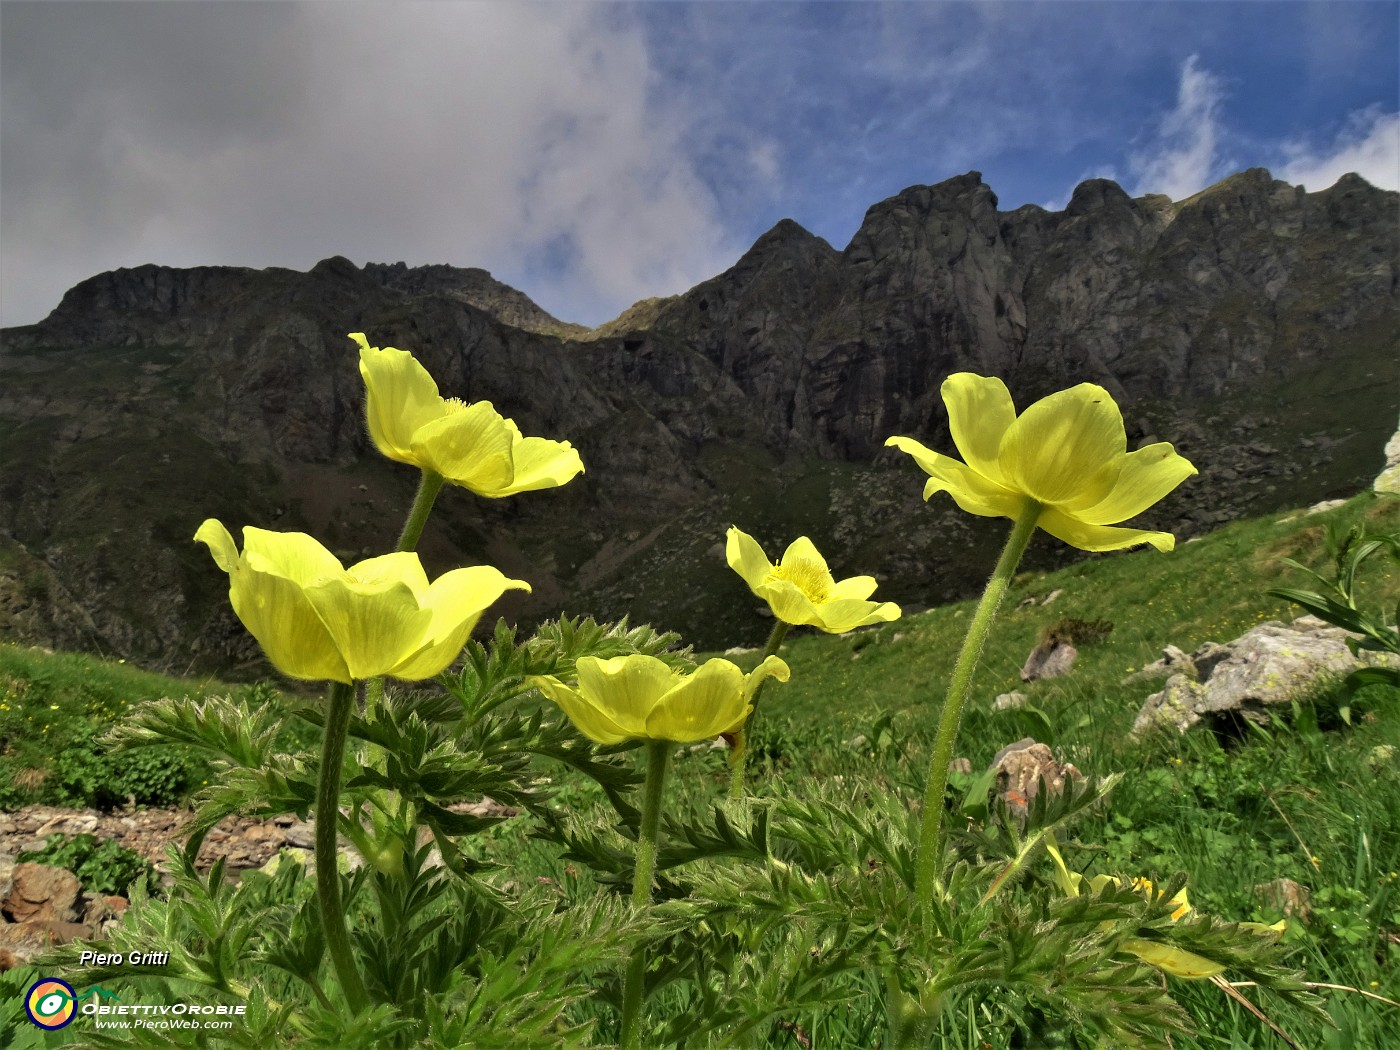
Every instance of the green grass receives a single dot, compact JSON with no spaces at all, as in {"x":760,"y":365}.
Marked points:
{"x":1312,"y":797}
{"x":55,"y":707}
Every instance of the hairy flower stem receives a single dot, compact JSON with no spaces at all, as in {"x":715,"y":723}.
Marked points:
{"x":422,"y":506}
{"x":740,"y":752}
{"x":930,"y":848}
{"x":658,"y":753}
{"x":338,"y":710}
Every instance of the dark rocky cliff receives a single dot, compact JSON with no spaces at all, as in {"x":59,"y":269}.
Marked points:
{"x":1254,"y":324}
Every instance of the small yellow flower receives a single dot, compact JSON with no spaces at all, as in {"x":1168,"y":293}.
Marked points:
{"x":1067,"y":452}
{"x":639,"y":697}
{"x":800,"y":588}
{"x":473,"y":446}
{"x":317,"y":620}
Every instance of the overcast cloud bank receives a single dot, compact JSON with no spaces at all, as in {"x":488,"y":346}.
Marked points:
{"x":593,"y":155}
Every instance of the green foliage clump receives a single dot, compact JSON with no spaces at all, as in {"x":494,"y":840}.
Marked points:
{"x":102,"y":866}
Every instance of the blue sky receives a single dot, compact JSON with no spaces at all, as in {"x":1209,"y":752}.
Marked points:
{"x":595,"y":154}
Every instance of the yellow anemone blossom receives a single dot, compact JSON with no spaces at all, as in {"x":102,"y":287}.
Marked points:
{"x":317,"y":620}
{"x":639,"y":697}
{"x":800,"y":588}
{"x":473,"y":446}
{"x":1067,"y":452}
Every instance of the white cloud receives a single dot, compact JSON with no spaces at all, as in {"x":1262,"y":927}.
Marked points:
{"x":522,"y":138}
{"x":1368,"y":145}
{"x":1181,"y":157}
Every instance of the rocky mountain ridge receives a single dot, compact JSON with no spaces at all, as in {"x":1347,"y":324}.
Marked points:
{"x":1248,"y":324}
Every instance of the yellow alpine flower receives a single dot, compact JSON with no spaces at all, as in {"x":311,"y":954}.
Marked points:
{"x":1145,"y":887}
{"x":1067,"y":452}
{"x":473,"y":446}
{"x":317,"y":620}
{"x":639,"y":697}
{"x":1166,"y":957}
{"x":800,"y":588}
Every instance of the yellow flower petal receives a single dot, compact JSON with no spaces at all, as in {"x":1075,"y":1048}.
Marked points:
{"x":588,"y":718}
{"x":640,"y":698}
{"x":980,"y":412}
{"x":401,"y":398}
{"x":746,"y":558}
{"x":539,"y":463}
{"x":273,"y":605}
{"x":841,"y":615}
{"x":800,"y":588}
{"x":473,"y":446}
{"x":398,"y":567}
{"x":294,"y":555}
{"x":469,"y":446}
{"x":1065,"y":447}
{"x":1175,"y":961}
{"x":1099,"y":537}
{"x":704,"y":705}
{"x":772,"y":667}
{"x":802,"y":557}
{"x":372,"y":624}
{"x":626,"y":687}
{"x":1147,"y":476}
{"x":788,"y":602}
{"x":316,"y":620}
{"x":214,"y":536}
{"x":858,"y":588}
{"x":973,"y":492}
{"x":456,"y":601}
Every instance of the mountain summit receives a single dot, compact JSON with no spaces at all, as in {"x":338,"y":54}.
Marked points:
{"x":1254,"y":325}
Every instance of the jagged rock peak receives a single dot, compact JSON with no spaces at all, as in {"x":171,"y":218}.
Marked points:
{"x":167,"y":292}
{"x":1093,"y":194}
{"x":786,"y":238}
{"x":963,"y":194}
{"x":787,"y":232}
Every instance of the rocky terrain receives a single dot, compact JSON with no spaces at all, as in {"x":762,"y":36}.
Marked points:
{"x":1254,"y":325}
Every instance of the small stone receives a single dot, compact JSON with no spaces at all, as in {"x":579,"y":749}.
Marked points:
{"x":1009,"y":701}
{"x":69,"y":824}
{"x":1053,"y":658}
{"x":1286,"y":896}
{"x":41,"y":893}
{"x":302,"y":834}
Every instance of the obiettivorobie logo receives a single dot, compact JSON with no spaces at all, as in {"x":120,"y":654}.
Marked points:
{"x":52,"y":1004}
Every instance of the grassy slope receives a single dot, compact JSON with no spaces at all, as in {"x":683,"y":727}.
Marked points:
{"x":1295,"y":801}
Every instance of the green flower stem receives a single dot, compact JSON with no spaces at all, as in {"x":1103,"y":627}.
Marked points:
{"x":658,"y":753}
{"x":422,"y":506}
{"x":740,"y":752}
{"x":340,"y":704}
{"x":958,"y":689}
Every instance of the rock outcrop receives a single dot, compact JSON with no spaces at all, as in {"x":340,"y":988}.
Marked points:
{"x":152,"y":398}
{"x":1267,"y":666}
{"x":1388,"y":480}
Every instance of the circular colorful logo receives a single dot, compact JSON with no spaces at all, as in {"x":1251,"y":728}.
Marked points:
{"x":51,"y":1004}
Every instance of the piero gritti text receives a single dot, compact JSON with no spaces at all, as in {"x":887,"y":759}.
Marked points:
{"x":89,"y":958}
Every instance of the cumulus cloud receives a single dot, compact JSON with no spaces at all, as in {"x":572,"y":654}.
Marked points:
{"x":1369,"y":145}
{"x":523,"y":138}
{"x":1180,"y":158}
